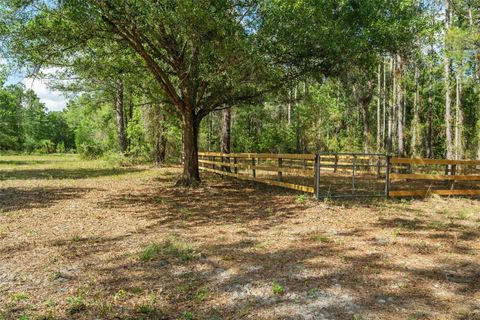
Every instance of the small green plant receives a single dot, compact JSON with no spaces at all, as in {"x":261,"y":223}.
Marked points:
{"x":176,"y":247}
{"x":75,"y":305}
{"x":49,"y":303}
{"x":150,"y":252}
{"x":463,"y":215}
{"x":261,"y":245}
{"x":312,"y":293}
{"x":146,"y":308}
{"x":302,"y":198}
{"x":106,"y":309}
{"x":319,"y":237}
{"x":187,"y":315}
{"x":278,"y":289}
{"x":120,"y":295}
{"x":201,"y":295}
{"x":185,"y":213}
{"x":19,"y":296}
{"x":172,"y":246}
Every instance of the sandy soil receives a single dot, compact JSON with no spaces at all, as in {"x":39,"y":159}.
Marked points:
{"x":83,"y":240}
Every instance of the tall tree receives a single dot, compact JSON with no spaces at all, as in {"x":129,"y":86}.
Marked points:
{"x":448,"y":98}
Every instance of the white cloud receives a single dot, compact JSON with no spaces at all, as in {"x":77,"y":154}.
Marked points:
{"x":53,"y":100}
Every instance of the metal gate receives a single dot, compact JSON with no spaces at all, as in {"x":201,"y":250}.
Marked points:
{"x":344,"y":175}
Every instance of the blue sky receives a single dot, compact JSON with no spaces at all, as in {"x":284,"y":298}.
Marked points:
{"x":53,"y":100}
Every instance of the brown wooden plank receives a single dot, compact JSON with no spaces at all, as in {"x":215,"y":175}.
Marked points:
{"x":299,"y":156}
{"x":400,"y":176}
{"x":423,"y":193}
{"x":300,"y":172}
{"x":266,"y":181}
{"x":434,"y":161}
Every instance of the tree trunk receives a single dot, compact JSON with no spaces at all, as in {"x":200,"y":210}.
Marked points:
{"x":226,"y":133}
{"x":379,"y":106}
{"x":384,"y":95}
{"x":390,"y":112}
{"x":191,"y":175}
{"x":363,"y":95}
{"x":448,"y":102}
{"x":160,"y":142}
{"x":429,"y":153}
{"x":400,"y":109}
{"x":459,"y":115}
{"x":122,"y":141}
{"x":415,"y":145}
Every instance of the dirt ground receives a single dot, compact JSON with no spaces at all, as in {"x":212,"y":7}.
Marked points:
{"x":88,"y":240}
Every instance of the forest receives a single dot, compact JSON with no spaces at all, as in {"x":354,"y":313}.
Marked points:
{"x":240,"y":159}
{"x":397,"y":77}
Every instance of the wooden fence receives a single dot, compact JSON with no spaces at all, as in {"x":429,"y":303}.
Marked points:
{"x":421,"y":177}
{"x":271,"y":169}
{"x":358,"y":174}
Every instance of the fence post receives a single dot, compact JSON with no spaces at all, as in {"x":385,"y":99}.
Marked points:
{"x":387,"y":176}
{"x":354,"y":165}
{"x":254,"y":174}
{"x":235,"y":163}
{"x":336,"y":163}
{"x":280,"y":167}
{"x":317,"y":176}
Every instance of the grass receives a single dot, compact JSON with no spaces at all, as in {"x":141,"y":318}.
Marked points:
{"x":75,"y":304}
{"x":150,"y":252}
{"x":302,"y":198}
{"x":173,"y":246}
{"x":278,"y":289}
{"x":320,"y":237}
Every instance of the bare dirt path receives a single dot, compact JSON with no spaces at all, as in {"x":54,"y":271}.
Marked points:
{"x":85,"y":240}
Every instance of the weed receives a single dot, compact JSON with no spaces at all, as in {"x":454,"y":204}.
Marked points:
{"x":261,"y":245}
{"x":436,"y":225}
{"x":278,"y":289}
{"x":146,"y":308}
{"x":75,"y":304}
{"x":49,"y":303}
{"x":187,"y":315}
{"x":24,"y":317}
{"x":302,"y":198}
{"x":312,"y":293}
{"x":463,"y":215}
{"x":201,"y":295}
{"x":17,"y":297}
{"x":159,"y":200}
{"x":150,"y":252}
{"x":120,"y":295}
{"x":185,"y":213}
{"x":318,"y":237}
{"x":357,"y":317}
{"x":106,"y":309}
{"x":76,"y":238}
{"x":174,"y":246}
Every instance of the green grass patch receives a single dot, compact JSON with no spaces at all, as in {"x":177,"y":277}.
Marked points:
{"x":172,"y":246}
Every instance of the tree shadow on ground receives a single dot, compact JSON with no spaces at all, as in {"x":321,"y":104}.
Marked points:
{"x":338,"y":291}
{"x":49,"y":174}
{"x":216,"y":202}
{"x":12,"y":199}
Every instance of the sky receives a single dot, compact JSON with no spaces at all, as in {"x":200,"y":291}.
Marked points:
{"x":53,"y":100}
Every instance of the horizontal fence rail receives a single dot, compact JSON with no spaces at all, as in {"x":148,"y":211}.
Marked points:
{"x":422,"y":177}
{"x":330,"y":175}
{"x":292,"y":171}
